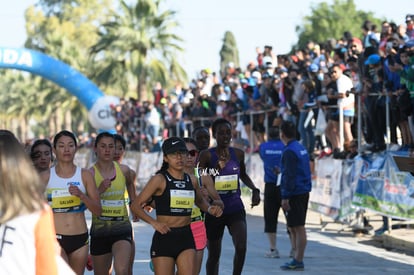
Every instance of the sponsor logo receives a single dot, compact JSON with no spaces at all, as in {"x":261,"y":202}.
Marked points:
{"x":180,"y":185}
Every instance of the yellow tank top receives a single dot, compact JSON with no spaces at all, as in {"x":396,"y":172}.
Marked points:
{"x":114,"y":217}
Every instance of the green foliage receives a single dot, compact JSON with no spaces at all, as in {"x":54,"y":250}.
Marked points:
{"x":229,"y":51}
{"x":65,"y":30}
{"x":331,"y":21}
{"x":138,"y":43}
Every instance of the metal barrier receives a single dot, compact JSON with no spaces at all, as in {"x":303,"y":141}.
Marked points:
{"x":188,"y":125}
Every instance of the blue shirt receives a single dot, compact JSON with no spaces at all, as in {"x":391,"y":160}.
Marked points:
{"x":271,"y":154}
{"x":296,"y":174}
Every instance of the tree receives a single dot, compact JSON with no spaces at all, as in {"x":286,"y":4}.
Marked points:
{"x":64,"y":30}
{"x":14,"y":113}
{"x":138,"y":43}
{"x":331,"y":21}
{"x":229,"y":52}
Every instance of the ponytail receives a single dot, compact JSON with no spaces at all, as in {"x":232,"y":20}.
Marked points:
{"x":163,"y":168}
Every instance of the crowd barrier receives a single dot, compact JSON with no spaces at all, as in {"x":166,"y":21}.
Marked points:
{"x":342,"y":187}
{"x":371,"y":182}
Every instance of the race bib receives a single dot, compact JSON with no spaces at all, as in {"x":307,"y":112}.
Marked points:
{"x":113,"y":208}
{"x":226,"y":183}
{"x":62,"y":199}
{"x":182,"y":199}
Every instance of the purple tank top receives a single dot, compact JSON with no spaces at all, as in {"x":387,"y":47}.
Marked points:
{"x":227,"y":182}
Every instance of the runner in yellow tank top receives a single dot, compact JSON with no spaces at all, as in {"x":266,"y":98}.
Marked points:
{"x":111,"y":232}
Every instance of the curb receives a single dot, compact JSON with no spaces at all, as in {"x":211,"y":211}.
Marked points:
{"x":401,"y":241}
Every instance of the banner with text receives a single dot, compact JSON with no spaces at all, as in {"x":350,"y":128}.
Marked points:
{"x":383,"y":188}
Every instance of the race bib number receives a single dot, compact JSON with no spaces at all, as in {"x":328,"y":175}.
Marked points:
{"x":182,"y":199}
{"x":62,"y":199}
{"x":226,"y":183}
{"x":113,"y":208}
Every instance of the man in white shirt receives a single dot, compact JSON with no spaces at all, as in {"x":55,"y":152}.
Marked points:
{"x":346,"y":101}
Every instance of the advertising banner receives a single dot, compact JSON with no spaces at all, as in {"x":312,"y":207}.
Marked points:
{"x":383,"y":188}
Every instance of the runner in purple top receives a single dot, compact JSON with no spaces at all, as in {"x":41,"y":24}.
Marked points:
{"x":226,"y":166}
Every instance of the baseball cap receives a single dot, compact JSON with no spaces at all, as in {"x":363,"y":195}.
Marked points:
{"x":172,"y":145}
{"x":410,"y":43}
{"x":256,"y":74}
{"x":313,"y":68}
{"x":373,"y":59}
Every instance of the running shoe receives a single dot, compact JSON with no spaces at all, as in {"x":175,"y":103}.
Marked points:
{"x":272,"y":254}
{"x":293,"y":265}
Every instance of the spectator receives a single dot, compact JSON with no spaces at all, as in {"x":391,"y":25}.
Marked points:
{"x":370,"y":39}
{"x":158,"y":93}
{"x":375,"y":101}
{"x":406,"y":73}
{"x":305,"y":127}
{"x":409,"y":21}
{"x":152,"y":120}
{"x":346,"y":101}
{"x":402,"y":33}
{"x":332,"y":113}
{"x":295,"y":76}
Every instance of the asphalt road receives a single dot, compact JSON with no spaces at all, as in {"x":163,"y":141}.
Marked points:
{"x":333,"y":251}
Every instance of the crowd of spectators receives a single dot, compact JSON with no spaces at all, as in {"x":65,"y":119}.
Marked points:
{"x":328,"y":75}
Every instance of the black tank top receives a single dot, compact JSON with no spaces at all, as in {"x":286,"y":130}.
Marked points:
{"x":177,"y":198}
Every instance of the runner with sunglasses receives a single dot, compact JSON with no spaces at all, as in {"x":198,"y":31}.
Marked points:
{"x":174,"y":194}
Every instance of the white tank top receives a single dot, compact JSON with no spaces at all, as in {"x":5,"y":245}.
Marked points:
{"x":57,"y":192}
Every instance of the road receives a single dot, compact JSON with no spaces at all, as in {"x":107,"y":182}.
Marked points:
{"x":329,"y":252}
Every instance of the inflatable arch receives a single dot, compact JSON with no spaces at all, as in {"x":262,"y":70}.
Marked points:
{"x":96,"y":102}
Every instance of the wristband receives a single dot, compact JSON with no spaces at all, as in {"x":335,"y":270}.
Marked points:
{"x":208,"y":209}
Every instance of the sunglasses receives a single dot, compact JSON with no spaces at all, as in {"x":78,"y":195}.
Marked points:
{"x":192,"y":153}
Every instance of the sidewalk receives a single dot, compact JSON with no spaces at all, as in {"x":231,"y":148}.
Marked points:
{"x":399,"y":240}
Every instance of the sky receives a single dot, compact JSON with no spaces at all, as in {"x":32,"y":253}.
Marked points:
{"x":203,"y":24}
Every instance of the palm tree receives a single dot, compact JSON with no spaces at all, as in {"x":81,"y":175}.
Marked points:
{"x":19,"y":102}
{"x":66,"y":32}
{"x":138,"y":45}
